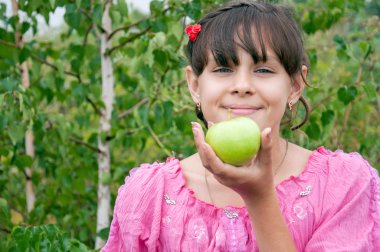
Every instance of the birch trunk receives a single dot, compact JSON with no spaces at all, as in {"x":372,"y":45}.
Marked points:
{"x":29,"y":136}
{"x":105,"y":127}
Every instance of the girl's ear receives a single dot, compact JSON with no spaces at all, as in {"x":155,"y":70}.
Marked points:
{"x":298,"y":85}
{"x":192,"y":84}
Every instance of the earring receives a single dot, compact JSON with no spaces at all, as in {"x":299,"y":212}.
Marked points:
{"x":290,"y":104}
{"x":199,"y":106}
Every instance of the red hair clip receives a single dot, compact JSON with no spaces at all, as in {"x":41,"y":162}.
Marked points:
{"x":192,"y":31}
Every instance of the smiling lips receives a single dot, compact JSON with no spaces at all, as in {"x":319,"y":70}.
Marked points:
{"x":242,"y":109}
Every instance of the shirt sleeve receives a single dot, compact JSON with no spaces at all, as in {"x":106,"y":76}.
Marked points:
{"x":350,"y":215}
{"x":137,"y":211}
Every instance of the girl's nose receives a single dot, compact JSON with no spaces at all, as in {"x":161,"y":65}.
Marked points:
{"x":243,"y":84}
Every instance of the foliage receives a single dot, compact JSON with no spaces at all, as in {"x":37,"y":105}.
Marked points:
{"x":152,"y":110}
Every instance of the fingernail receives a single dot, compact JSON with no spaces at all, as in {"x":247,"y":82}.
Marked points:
{"x":195,"y":131}
{"x":269,"y":135}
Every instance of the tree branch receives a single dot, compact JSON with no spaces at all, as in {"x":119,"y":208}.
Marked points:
{"x":130,"y":110}
{"x":7,"y":43}
{"x":35,"y":57}
{"x":127,"y":27}
{"x":91,"y":147}
{"x":158,"y":141}
{"x":77,"y":76}
{"x":86,"y":35}
{"x":129,"y":39}
{"x":97,"y":110}
{"x":5,"y":230}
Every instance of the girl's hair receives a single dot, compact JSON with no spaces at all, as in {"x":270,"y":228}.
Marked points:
{"x":250,"y":25}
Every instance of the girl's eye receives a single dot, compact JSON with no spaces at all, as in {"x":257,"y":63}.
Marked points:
{"x":222,"y":70}
{"x":264,"y":70}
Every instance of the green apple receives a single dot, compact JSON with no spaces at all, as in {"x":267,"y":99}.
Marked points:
{"x":235,"y":141}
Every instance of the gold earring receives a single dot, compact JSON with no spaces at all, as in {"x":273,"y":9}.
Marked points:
{"x":199,"y":106}
{"x":290,"y":104}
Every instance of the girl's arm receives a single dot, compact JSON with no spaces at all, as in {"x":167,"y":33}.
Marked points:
{"x":255,"y":184}
{"x":271,"y":231}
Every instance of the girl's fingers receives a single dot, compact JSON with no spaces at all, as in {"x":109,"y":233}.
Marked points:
{"x":214,"y":164}
{"x":266,"y":149}
{"x":199,"y":140}
{"x":208,"y":157}
{"x":209,"y":124}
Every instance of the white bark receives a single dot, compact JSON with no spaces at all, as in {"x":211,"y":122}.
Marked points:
{"x":29,"y":136}
{"x":104,"y":161}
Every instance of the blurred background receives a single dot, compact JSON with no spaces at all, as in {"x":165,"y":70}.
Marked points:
{"x":91,"y":89}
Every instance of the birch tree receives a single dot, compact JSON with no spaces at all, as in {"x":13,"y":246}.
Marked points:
{"x":108,"y":96}
{"x":29,"y":137}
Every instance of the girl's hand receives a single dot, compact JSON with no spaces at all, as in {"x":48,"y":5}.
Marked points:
{"x":252,"y":181}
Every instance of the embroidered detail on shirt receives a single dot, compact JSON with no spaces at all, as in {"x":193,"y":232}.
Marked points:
{"x":299,"y":211}
{"x":229,"y":214}
{"x":166,"y":220}
{"x":306,"y":192}
{"x":199,"y":231}
{"x":168,"y":200}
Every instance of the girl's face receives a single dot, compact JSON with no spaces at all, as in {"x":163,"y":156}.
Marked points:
{"x":259,"y":91}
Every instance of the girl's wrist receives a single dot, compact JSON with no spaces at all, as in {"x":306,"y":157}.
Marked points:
{"x":263,"y":197}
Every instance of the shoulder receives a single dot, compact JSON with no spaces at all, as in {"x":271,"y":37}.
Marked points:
{"x":346,"y":206}
{"x":343,"y":166}
{"x":146,"y":182}
{"x":149,"y":172}
{"x":345,"y":177}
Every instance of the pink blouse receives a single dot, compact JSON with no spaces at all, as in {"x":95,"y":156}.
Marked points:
{"x":333,"y":205}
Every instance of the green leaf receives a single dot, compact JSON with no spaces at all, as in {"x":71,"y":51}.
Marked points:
{"x":3,"y":122}
{"x":73,"y":17}
{"x":25,"y":27}
{"x":97,"y":14}
{"x":156,"y":7}
{"x":3,"y":150}
{"x":161,"y":59}
{"x":159,"y":24}
{"x":146,"y":72}
{"x":347,"y":94}
{"x":313,"y":131}
{"x":3,"y":10}
{"x":24,"y":54}
{"x":103,"y":233}
{"x":370,"y":90}
{"x":122,"y":7}
{"x":168,"y":112}
{"x":327,"y":117}
{"x":193,"y":9}
{"x":8,"y":85}
{"x":13,"y":21}
{"x":23,"y":161}
{"x":16,"y":133}
{"x":366,"y":48}
{"x":341,"y":48}
{"x":52,"y":3}
{"x":144,"y":114}
{"x":5,"y":214}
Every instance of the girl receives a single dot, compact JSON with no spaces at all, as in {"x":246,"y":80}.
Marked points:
{"x":247,"y":59}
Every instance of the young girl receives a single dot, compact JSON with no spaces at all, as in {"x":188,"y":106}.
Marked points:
{"x":247,"y":59}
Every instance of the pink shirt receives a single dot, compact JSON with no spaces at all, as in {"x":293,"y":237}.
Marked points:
{"x":333,"y":205}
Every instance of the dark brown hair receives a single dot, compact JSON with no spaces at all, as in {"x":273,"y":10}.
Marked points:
{"x":233,"y":25}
